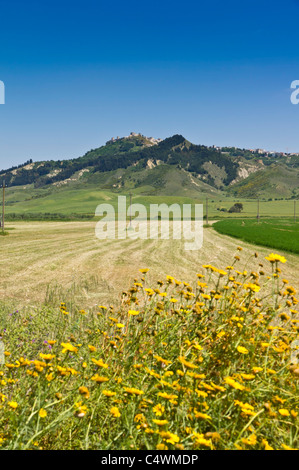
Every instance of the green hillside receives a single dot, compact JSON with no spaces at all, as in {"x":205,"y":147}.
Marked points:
{"x":170,"y":170}
{"x":275,"y":181}
{"x":139,"y":152}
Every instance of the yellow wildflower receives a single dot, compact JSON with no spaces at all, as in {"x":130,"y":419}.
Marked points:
{"x":275,"y":258}
{"x":160,"y":422}
{"x":115,"y":412}
{"x":99,"y":379}
{"x":133,"y":391}
{"x":284,"y":446}
{"x":99,"y":363}
{"x":284,"y":412}
{"x":161,"y":447}
{"x":163,"y":361}
{"x":233,"y":383}
{"x":133,"y":312}
{"x":42,"y":413}
{"x":251,"y":440}
{"x":266,"y":445}
{"x":12,"y":404}
{"x":69,"y":347}
{"x":108,"y":393}
{"x":242,"y":350}
{"x":188,"y":364}
{"x":167,"y":396}
{"x":198,"y":414}
{"x":158,"y":409}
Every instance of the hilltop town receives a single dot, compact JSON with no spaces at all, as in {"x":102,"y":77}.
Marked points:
{"x":134,"y":134}
{"x":230,"y":150}
{"x":258,"y":151}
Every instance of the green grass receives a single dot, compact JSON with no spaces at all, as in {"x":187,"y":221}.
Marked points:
{"x":282,"y":234}
{"x":82,"y":199}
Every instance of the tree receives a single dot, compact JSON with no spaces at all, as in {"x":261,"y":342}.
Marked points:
{"x":238,"y":207}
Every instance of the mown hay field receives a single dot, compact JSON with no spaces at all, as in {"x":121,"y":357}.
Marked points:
{"x":49,"y":260}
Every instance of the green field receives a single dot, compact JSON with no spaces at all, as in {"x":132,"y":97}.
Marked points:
{"x":282,"y":234}
{"x":75,"y":202}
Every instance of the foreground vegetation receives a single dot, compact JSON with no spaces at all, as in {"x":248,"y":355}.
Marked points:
{"x":173,"y":366}
{"x":281,"y":234}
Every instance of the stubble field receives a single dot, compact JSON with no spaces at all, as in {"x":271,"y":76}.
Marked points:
{"x":57,"y":261}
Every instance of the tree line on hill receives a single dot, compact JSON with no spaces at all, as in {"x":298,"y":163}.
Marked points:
{"x":173,"y":151}
{"x":12,"y":168}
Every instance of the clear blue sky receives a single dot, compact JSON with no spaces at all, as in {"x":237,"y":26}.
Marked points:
{"x":79,"y":72}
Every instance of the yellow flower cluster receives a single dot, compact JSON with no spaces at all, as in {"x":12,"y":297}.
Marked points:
{"x":180,"y":366}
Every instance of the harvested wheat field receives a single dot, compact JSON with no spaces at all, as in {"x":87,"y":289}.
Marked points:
{"x":56,"y":261}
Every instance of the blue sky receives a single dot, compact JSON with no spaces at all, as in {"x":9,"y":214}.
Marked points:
{"x":77,"y":73}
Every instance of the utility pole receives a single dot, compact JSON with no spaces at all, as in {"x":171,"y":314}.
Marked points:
{"x":3,"y":205}
{"x":207,"y":212}
{"x":295,"y":210}
{"x":130,"y":210}
{"x":258,"y":211}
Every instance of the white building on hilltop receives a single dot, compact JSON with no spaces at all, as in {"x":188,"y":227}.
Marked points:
{"x":134,"y":134}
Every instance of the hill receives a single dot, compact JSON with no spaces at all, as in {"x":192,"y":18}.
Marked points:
{"x":137,"y":151}
{"x":274,"y":181}
{"x":152,"y":170}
